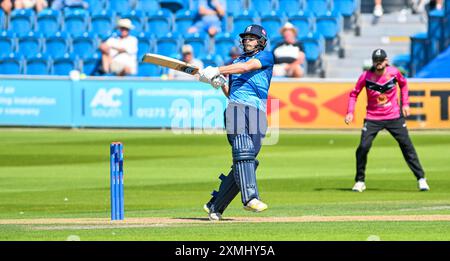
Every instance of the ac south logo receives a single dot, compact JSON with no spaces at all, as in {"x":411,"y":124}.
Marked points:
{"x":107,"y":98}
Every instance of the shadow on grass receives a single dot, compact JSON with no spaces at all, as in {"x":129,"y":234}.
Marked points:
{"x":370,"y":189}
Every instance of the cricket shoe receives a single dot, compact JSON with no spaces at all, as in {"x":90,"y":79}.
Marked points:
{"x":212,"y":216}
{"x":359,"y":186}
{"x":255,"y":205}
{"x":423,"y":186}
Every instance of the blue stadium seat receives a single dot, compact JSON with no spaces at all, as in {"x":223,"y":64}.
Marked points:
{"x":346,"y":8}
{"x":63,"y":65}
{"x":289,"y":6}
{"x":137,"y":18}
{"x":21,"y":21}
{"x":183,"y":20}
{"x":84,"y":46}
{"x":314,"y":46}
{"x":148,"y":70}
{"x":172,"y":5}
{"x":261,"y":6}
{"x":274,"y":41}
{"x":7,"y":43}
{"x":235,"y":6}
{"x":223,"y":44}
{"x":29,"y":45}
{"x":75,"y":22}
{"x":211,"y":60}
{"x":119,"y":6}
{"x":272,"y":22}
{"x":48,"y":22}
{"x":304,"y":22}
{"x":193,"y":4}
{"x":102,"y":24}
{"x":96,"y":6}
{"x":2,"y":19}
{"x":160,"y":23}
{"x":145,"y":44}
{"x":37,"y":65}
{"x":318,"y":7}
{"x":148,"y":6}
{"x":329,"y":25}
{"x":198,"y":41}
{"x":168,"y":45}
{"x":242,"y":20}
{"x":11,"y":64}
{"x":91,"y":64}
{"x":57,"y":45}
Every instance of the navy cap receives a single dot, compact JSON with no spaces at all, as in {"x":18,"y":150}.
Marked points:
{"x":254,"y":29}
{"x":379,"y":55}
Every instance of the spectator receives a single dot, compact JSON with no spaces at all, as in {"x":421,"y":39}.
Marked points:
{"x":289,"y":54}
{"x":119,"y":54}
{"x":188,"y":56}
{"x":210,"y":13}
{"x":61,"y":4}
{"x":234,"y":53}
{"x":6,"y":5}
{"x":39,"y":5}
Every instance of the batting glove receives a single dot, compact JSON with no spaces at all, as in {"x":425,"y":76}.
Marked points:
{"x":210,"y":72}
{"x":219,"y":81}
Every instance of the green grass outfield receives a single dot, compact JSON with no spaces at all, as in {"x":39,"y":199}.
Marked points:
{"x":47,"y":174}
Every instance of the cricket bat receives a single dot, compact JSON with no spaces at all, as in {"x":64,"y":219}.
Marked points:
{"x":175,"y":64}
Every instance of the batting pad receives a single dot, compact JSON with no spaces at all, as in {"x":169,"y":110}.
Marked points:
{"x":244,"y":167}
{"x":228,"y":190}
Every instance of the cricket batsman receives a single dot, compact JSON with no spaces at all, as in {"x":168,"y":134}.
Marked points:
{"x":245,"y":119}
{"x":383,"y":112}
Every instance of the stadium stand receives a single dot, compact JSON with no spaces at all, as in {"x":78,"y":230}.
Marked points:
{"x":29,"y":45}
{"x":198,"y":41}
{"x":91,"y":64}
{"x":304,"y":21}
{"x":145,"y":44}
{"x":48,"y":22}
{"x":11,"y":64}
{"x":272,"y":21}
{"x":57,"y":45}
{"x":21,"y":21}
{"x":263,"y":7}
{"x":223,"y":44}
{"x":318,"y":7}
{"x":183,"y":20}
{"x":148,"y":70}
{"x":37,"y":65}
{"x":84,"y":46}
{"x":63,"y":65}
{"x":168,"y":44}
{"x":161,"y":26}
{"x":289,"y":6}
{"x":119,"y":6}
{"x":7,"y":43}
{"x":160,"y":23}
{"x":426,"y":46}
{"x":102,"y":24}
{"x":76,"y":22}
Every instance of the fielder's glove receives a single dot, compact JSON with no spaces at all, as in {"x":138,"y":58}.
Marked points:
{"x":209,"y":73}
{"x":219,"y":81}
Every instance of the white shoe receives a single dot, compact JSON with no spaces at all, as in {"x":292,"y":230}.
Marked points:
{"x":423,"y":186}
{"x":255,"y":205}
{"x":212,"y":216}
{"x":378,"y":11}
{"x":359,"y":186}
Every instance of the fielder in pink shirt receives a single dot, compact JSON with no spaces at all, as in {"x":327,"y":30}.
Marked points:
{"x":383,"y":112}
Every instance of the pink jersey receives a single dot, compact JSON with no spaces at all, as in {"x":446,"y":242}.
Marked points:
{"x":382,"y":98}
